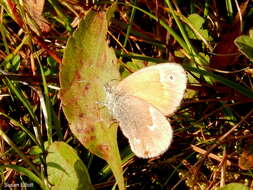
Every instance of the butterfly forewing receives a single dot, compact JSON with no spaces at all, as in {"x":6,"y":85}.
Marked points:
{"x":161,"y":85}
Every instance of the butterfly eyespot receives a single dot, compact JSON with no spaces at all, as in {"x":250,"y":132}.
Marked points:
{"x":171,"y":78}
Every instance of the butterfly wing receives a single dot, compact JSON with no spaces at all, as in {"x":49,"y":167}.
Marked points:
{"x":161,"y":85}
{"x":147,"y":129}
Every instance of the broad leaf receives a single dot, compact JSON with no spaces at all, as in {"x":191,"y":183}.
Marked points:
{"x":88,"y":64}
{"x":65,"y":169}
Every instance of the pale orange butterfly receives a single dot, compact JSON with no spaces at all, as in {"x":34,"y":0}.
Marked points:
{"x":140,"y":102}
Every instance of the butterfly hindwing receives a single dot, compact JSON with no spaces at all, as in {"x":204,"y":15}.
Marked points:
{"x":147,"y":129}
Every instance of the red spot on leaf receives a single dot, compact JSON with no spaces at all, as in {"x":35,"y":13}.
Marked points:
{"x":86,"y":87}
{"x":88,"y":139}
{"x":104,"y":149}
{"x":81,"y":115}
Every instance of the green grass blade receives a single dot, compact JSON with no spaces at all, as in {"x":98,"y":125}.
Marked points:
{"x":186,"y":39}
{"x":16,"y":123}
{"x":229,"y":83}
{"x":130,"y":25}
{"x":163,"y":24}
{"x":17,"y":92}
{"x":46,"y":107}
{"x":26,"y":172}
{"x":14,"y":146}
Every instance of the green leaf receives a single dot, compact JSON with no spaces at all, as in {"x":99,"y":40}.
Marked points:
{"x":88,"y":64}
{"x":65,"y":169}
{"x":234,"y":186}
{"x":134,"y":65}
{"x":245,"y":44}
{"x":15,"y":63}
{"x":197,"y":23}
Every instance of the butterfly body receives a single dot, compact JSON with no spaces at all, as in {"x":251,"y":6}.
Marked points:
{"x":139,"y":103}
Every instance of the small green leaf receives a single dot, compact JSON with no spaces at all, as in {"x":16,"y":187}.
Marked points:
{"x":65,"y":169}
{"x":245,"y":44}
{"x":197,"y":22}
{"x":234,"y":186}
{"x":133,"y":66}
{"x":15,"y":63}
{"x":51,"y":68}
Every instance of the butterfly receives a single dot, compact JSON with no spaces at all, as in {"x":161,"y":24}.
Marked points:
{"x":140,"y":102}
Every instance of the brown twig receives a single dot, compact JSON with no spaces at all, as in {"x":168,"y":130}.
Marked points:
{"x":196,"y":166}
{"x":211,"y":155}
{"x":44,"y":46}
